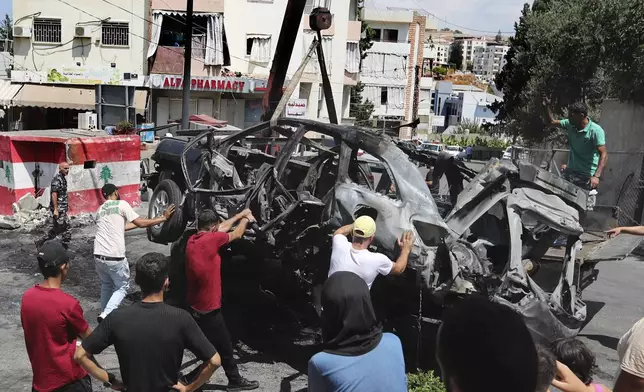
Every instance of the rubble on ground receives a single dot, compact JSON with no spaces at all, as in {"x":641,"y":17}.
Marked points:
{"x":30,"y":213}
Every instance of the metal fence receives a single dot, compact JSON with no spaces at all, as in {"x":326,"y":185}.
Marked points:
{"x":622,"y":183}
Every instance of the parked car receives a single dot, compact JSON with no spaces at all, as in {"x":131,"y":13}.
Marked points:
{"x":431,"y":146}
{"x":507,"y":154}
{"x":457,"y":152}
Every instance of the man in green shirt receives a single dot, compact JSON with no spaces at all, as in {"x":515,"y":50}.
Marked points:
{"x":587,"y":143}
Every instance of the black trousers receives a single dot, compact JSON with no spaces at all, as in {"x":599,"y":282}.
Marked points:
{"x":214,"y":327}
{"x":61,"y":227}
{"x":82,"y":385}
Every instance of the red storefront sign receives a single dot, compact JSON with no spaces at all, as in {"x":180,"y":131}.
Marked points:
{"x":233,"y":85}
{"x":207,"y":84}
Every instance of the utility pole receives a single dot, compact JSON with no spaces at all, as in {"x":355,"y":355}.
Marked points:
{"x":187,"y":62}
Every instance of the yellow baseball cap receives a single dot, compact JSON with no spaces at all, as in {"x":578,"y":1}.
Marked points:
{"x":364,"y":227}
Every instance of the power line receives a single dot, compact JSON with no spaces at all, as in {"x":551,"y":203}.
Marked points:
{"x":459,"y":26}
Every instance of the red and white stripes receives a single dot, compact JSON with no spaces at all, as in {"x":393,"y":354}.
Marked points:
{"x":30,"y":162}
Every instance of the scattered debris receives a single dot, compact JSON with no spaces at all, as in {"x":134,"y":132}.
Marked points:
{"x":9,"y":223}
{"x":28,"y":203}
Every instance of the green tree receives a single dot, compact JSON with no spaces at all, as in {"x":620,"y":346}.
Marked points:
{"x":358,"y":109}
{"x":6,"y":28}
{"x":469,"y":66}
{"x":458,"y":32}
{"x":553,"y":57}
{"x":366,"y":37}
{"x":456,"y":54}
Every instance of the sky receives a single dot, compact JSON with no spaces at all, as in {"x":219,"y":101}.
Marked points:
{"x":471,"y":14}
{"x":485,"y":15}
{"x":6,"y":7}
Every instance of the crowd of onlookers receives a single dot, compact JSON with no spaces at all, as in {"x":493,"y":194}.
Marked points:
{"x":481,"y":345}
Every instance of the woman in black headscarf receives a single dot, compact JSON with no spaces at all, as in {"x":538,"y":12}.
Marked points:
{"x":357,"y":356}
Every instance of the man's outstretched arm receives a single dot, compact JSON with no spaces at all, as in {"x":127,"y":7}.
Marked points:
{"x":228,"y":224}
{"x":635,"y":230}
{"x":344,"y":230}
{"x":406,"y":244}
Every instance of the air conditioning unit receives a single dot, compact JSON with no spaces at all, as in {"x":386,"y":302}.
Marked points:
{"x":87,"y":120}
{"x":82,"y":32}
{"x":21,"y":32}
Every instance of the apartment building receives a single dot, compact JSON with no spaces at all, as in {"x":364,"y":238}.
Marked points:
{"x":489,"y":60}
{"x":438,"y":52}
{"x":470,"y":45}
{"x":389,"y":69}
{"x":62,"y":50}
{"x":234,"y":45}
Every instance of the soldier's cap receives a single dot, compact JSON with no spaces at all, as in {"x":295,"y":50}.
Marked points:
{"x":108,"y":189}
{"x":52,"y":253}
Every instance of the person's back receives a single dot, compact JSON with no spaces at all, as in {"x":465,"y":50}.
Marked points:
{"x":51,"y":320}
{"x":362,"y":262}
{"x":149,"y":339}
{"x":382,"y":369}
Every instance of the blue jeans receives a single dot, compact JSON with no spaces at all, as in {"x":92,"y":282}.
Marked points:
{"x":115,"y":281}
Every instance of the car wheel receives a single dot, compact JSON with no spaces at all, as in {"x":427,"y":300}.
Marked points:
{"x":165,"y":194}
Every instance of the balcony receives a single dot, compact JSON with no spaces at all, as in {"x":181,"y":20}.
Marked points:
{"x":169,"y":61}
{"x":399,"y":48}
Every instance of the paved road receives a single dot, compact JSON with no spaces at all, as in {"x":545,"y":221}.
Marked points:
{"x":615,"y":304}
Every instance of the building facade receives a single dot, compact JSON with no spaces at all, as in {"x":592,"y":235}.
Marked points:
{"x":392,"y":69}
{"x":235,"y":46}
{"x":489,"y":60}
{"x":437,"y":51}
{"x":63,"y":49}
{"x":470,"y":45}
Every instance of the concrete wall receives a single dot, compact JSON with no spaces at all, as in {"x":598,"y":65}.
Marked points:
{"x":88,"y":52}
{"x":623,"y":124}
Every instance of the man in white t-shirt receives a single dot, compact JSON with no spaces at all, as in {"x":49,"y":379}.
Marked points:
{"x":115,"y":217}
{"x":355,"y":256}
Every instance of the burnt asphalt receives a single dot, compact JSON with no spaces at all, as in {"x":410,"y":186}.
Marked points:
{"x":269,"y":352}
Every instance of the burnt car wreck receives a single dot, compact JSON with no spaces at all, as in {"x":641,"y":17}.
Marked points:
{"x":490,"y":242}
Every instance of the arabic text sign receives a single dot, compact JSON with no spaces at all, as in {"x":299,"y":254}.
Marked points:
{"x":296,"y":108}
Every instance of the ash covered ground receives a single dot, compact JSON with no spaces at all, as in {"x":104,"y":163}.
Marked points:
{"x":270,"y":350}
{"x":272,"y":347}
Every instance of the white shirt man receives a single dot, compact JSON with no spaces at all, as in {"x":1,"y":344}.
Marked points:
{"x":115,"y":217}
{"x":356,"y":257}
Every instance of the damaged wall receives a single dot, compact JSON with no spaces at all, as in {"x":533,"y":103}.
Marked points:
{"x":28,"y":162}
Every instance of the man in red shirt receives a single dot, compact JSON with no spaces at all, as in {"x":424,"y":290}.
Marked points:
{"x":52,"y":320}
{"x":203,"y":294}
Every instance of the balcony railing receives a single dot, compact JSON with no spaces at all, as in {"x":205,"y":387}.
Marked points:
{"x":6,"y":45}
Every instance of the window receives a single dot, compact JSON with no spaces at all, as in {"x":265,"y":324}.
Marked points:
{"x":258,"y":47}
{"x":389,"y":35}
{"x":383,"y":96}
{"x":115,"y":34}
{"x":249,"y":46}
{"x":172,"y":31}
{"x":312,"y":4}
{"x":47,"y":30}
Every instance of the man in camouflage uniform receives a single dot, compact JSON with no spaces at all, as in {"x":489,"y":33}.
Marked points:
{"x":58,"y":207}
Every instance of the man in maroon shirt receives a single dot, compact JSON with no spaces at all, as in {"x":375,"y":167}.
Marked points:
{"x":52,"y":320}
{"x":203,"y":278}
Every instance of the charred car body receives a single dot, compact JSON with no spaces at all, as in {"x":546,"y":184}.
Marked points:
{"x":490,"y":242}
